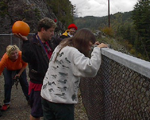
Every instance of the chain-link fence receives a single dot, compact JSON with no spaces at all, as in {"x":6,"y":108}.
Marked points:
{"x":120,"y":91}
{"x":9,"y":39}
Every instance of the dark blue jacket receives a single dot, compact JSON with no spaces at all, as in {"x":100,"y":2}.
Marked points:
{"x":34,"y":54}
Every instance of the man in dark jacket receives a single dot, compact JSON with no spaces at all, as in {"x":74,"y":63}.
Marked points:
{"x":37,"y":53}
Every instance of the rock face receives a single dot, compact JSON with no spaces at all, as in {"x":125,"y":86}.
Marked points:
{"x":30,"y":11}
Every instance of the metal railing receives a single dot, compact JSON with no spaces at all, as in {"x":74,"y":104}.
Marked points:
{"x":121,"y":89}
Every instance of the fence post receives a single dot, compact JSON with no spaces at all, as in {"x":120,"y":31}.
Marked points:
{"x":10,"y":38}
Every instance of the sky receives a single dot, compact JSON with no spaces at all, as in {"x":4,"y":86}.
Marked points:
{"x":99,"y":8}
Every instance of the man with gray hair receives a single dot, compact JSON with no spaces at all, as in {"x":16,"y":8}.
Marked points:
{"x":37,"y":52}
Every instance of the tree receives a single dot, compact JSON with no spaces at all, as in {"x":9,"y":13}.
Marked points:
{"x":64,"y":10}
{"x":141,"y":19}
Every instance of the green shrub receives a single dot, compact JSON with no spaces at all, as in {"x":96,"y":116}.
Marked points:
{"x":108,"y":31}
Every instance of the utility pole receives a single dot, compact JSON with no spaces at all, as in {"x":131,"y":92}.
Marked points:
{"x":109,"y":13}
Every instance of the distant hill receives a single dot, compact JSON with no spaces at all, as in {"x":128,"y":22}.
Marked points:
{"x":95,"y":23}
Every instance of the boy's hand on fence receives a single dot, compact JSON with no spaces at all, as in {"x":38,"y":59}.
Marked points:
{"x":24,"y":38}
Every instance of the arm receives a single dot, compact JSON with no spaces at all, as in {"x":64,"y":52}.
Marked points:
{"x":88,"y":67}
{"x":27,"y":54}
{"x":24,"y":65}
{"x":20,"y":72}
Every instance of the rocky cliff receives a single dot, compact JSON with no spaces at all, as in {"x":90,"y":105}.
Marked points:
{"x":30,"y":11}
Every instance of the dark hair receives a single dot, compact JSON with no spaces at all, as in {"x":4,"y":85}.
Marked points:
{"x":46,"y":23}
{"x":80,"y":41}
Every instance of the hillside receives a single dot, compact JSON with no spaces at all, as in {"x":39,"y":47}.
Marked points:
{"x":95,"y":23}
{"x":31,"y":11}
{"x":121,"y":34}
{"x":117,"y":22}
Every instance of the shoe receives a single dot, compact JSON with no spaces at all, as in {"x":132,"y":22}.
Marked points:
{"x":5,"y":107}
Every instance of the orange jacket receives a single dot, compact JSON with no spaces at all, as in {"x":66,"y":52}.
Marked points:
{"x":7,"y":63}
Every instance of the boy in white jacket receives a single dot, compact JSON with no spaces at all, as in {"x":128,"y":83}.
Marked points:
{"x":70,"y":61}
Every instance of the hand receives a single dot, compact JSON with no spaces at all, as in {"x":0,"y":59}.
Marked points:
{"x":24,"y":38}
{"x":17,"y":76}
{"x":102,"y":45}
{"x":96,"y":43}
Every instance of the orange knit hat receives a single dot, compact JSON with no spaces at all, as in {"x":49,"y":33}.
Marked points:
{"x":72,"y":26}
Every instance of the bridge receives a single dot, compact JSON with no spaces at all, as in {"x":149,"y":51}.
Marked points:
{"x":120,"y":91}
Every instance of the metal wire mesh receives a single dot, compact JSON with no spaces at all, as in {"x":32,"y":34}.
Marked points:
{"x":116,"y":93}
{"x":9,"y":39}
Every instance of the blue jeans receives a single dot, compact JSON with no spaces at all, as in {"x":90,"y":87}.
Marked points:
{"x":8,"y":77}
